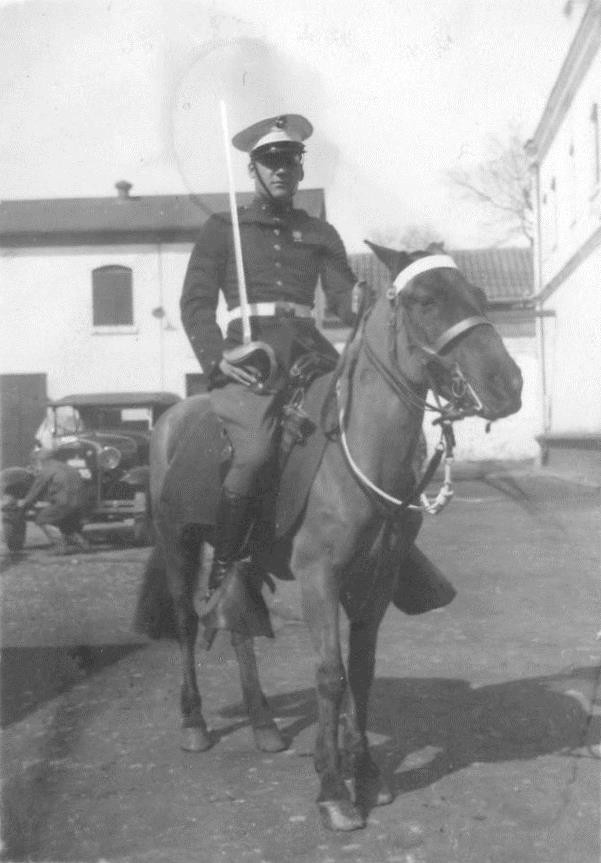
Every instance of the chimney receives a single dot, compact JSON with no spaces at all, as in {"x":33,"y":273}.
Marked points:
{"x":123,"y":188}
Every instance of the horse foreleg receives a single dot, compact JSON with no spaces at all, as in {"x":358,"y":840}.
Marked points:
{"x":321,"y":611}
{"x":370,"y":787}
{"x":265,"y":731}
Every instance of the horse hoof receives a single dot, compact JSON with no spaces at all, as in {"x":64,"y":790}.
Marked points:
{"x":195,"y":740}
{"x":340,"y":815}
{"x":269,"y":739}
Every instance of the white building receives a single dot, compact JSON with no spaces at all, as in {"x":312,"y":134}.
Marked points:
{"x":91,"y":288}
{"x":566,"y":153}
{"x":90,"y":303}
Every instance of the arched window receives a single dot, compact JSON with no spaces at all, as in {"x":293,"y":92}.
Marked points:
{"x":112,"y":296}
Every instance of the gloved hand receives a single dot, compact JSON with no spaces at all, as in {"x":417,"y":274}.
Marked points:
{"x":240,"y":374}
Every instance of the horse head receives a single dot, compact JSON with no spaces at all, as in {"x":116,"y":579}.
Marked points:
{"x":438,"y":324}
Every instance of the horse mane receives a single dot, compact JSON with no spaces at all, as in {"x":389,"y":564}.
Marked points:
{"x":342,"y":374}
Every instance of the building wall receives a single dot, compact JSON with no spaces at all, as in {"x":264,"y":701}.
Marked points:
{"x":48,"y":299}
{"x":570,"y":191}
{"x":47,"y":295}
{"x":570,"y":263}
{"x":573,"y":350}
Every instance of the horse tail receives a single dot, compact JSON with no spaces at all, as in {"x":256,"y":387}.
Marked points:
{"x":155,"y":610}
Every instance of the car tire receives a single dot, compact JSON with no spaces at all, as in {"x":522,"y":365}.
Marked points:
{"x":14,"y":528}
{"x":143,"y":530}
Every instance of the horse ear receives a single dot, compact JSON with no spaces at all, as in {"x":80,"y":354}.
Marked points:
{"x":394,"y":260}
{"x":436,"y":248}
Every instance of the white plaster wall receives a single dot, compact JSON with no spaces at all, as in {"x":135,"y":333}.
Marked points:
{"x":571,"y":339}
{"x":573,"y":350}
{"x":579,"y":208}
{"x":47,"y":320}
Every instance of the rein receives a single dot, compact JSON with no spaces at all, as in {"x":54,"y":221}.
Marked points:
{"x":405,"y":390}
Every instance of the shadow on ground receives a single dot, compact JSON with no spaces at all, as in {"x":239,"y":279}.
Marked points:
{"x":30,"y":676}
{"x":426,"y":728}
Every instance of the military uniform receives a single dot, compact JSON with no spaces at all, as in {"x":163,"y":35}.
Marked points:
{"x":285,"y":252}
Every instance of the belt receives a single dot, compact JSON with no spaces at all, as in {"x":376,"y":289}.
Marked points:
{"x":273,"y":310}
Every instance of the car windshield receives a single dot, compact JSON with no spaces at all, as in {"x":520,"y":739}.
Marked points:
{"x":62,"y":421}
{"x":123,"y":418}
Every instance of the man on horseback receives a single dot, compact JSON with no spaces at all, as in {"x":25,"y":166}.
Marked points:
{"x":285,"y":252}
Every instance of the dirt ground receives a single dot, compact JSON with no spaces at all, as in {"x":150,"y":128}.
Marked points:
{"x":485,"y":714}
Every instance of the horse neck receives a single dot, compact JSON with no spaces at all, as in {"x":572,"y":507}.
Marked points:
{"x":382,"y":427}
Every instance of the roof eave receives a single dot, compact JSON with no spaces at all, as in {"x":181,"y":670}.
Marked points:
{"x":34,"y":239}
{"x":576,"y":64}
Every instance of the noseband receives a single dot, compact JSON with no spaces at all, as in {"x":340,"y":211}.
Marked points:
{"x":464,"y":400}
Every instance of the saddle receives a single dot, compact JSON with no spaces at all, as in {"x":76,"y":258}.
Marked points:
{"x":193,"y":481}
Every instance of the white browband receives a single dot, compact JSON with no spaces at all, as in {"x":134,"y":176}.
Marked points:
{"x":422,"y":265}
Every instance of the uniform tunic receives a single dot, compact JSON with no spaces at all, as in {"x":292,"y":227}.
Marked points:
{"x":284,"y":251}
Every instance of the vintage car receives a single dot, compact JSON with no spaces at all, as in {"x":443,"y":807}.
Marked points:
{"x":106,"y":438}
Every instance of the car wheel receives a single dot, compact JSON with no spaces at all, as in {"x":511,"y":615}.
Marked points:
{"x":14,"y":526}
{"x":143,"y":530}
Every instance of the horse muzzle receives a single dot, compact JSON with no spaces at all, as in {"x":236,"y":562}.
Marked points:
{"x":492,"y":398}
{"x":499,"y":396}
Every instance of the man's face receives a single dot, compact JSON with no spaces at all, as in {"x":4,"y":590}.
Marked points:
{"x":276,"y":175}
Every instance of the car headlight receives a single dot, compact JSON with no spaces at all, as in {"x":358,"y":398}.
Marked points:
{"x":109,"y":458}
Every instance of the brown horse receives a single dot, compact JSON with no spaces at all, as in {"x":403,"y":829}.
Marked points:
{"x":427,"y":332}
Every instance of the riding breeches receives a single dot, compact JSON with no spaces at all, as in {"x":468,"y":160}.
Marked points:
{"x":252,"y":423}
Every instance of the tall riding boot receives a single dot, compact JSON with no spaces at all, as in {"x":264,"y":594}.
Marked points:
{"x":231,"y":531}
{"x":235,"y":601}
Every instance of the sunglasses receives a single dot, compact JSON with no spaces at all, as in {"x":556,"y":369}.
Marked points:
{"x":274,"y":161}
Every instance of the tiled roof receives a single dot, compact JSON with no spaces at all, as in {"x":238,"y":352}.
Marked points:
{"x":148,"y":218}
{"x":504,"y":274}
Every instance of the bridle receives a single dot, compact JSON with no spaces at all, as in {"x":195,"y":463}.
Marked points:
{"x":463,"y":402}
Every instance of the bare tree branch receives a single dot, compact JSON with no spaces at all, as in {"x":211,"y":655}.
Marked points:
{"x":502,"y":184}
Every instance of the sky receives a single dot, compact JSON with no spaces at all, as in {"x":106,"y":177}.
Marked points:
{"x":399,"y":92}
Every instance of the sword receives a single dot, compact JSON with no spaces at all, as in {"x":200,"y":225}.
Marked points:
{"x":249,"y":351}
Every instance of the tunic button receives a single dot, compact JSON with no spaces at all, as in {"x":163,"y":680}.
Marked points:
{"x":278,"y":265}
{"x":276,"y":231}
{"x":277,"y":247}
{"x":279,"y":283}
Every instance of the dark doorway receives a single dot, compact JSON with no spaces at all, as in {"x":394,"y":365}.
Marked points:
{"x":22,"y":408}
